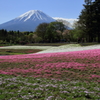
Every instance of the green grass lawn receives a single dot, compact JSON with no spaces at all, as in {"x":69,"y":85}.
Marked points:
{"x":53,"y":44}
{"x":17,"y":51}
{"x":88,"y":44}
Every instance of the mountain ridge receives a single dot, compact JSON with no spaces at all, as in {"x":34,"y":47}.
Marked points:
{"x":34,"y":14}
{"x":27,"y":21}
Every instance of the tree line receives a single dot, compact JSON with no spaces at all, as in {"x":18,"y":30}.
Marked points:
{"x":45,"y":33}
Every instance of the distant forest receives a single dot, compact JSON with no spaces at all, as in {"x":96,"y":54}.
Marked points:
{"x":45,"y":33}
{"x":86,"y":29}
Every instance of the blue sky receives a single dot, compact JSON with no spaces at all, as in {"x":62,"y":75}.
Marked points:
{"x":69,"y":9}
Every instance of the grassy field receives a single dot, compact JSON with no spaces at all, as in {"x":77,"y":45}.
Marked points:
{"x":36,"y":47}
{"x":88,"y":44}
{"x":59,"y":44}
{"x":53,"y":44}
{"x":51,"y":76}
{"x":17,"y":51}
{"x":29,"y":88}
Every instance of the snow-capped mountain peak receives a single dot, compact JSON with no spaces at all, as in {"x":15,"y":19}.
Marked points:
{"x":33,"y":15}
{"x":27,"y":21}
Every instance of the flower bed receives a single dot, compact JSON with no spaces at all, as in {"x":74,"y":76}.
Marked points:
{"x":29,"y":88}
{"x":51,"y":76}
{"x":77,"y":65}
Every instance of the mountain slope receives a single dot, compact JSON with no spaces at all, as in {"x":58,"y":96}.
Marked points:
{"x":27,"y":21}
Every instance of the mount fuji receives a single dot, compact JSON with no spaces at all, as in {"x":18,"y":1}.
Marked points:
{"x":27,"y":21}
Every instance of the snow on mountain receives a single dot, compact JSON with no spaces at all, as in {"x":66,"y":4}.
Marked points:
{"x":27,"y":21}
{"x":34,"y":15}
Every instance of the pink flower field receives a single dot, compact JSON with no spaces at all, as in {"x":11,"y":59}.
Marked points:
{"x":75,"y":65}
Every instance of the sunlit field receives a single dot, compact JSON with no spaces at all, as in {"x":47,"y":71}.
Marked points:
{"x":71,"y":75}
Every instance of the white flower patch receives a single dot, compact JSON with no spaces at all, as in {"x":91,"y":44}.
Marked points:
{"x":50,"y":98}
{"x":26,"y":47}
{"x":70,"y":47}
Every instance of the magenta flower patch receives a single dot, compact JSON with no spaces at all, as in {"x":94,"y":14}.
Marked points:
{"x":76,"y":65}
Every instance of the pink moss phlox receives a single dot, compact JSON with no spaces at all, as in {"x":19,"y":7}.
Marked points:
{"x":84,"y":53}
{"x":94,"y":76}
{"x":53,"y":65}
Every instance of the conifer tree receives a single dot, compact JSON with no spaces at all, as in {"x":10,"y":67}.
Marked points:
{"x":89,"y":20}
{"x":96,"y":16}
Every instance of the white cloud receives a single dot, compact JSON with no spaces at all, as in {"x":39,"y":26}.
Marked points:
{"x":71,"y":20}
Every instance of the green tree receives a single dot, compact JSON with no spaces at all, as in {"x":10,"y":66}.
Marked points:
{"x":41,"y":30}
{"x":77,"y":32}
{"x":3,"y":34}
{"x":52,"y":31}
{"x":89,"y":19}
{"x":96,"y":17}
